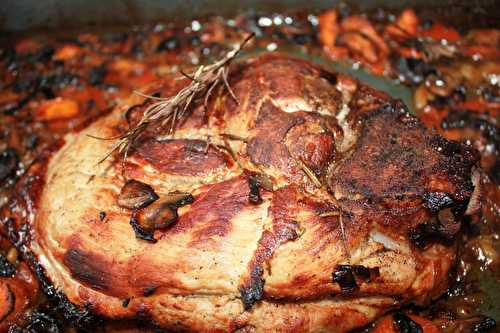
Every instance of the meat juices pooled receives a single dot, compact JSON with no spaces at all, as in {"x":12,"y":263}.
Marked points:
{"x":319,"y":204}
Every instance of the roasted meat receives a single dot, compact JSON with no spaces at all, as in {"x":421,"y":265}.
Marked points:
{"x":308,"y":203}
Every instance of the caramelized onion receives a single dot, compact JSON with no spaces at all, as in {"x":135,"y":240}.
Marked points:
{"x":135,"y":195}
{"x":475,"y":199}
{"x":449,"y":226}
{"x":7,"y":300}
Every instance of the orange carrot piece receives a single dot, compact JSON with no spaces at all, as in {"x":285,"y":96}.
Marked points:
{"x":57,"y":109}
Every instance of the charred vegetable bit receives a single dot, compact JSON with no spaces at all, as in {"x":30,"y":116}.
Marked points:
{"x":8,"y":163}
{"x":346,"y":276}
{"x":135,"y":195}
{"x":437,"y":200}
{"x":255,"y":290}
{"x":441,"y":230}
{"x":42,"y":322}
{"x":484,"y":325}
{"x":255,"y":182}
{"x":6,"y":268}
{"x":254,"y":195}
{"x":405,"y":324}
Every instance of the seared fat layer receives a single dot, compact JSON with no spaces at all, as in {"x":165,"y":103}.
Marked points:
{"x":359,"y":218}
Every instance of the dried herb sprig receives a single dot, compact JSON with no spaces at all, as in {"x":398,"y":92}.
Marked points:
{"x":309,"y":173}
{"x":168,"y":111}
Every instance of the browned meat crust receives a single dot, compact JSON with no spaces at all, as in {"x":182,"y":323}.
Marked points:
{"x":301,"y":257}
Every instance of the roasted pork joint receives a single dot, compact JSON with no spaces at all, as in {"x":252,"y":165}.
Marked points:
{"x":306,"y":202}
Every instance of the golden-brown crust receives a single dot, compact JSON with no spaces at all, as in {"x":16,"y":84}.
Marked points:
{"x":228,"y":264}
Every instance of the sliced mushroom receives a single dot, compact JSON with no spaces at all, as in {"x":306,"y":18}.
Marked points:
{"x":158,"y":215}
{"x":141,"y":233}
{"x":135,"y":195}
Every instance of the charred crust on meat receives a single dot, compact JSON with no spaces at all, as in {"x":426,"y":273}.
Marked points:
{"x":405,"y":324}
{"x":30,"y":188}
{"x":182,"y":156}
{"x":81,"y":317}
{"x":431,"y":232}
{"x":88,"y":269}
{"x":404,"y":165}
{"x":255,"y":290}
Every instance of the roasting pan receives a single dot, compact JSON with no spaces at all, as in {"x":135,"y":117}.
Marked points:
{"x":29,"y":16}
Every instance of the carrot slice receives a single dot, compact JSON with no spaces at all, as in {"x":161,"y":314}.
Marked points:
{"x":57,"y":109}
{"x":439,"y":31}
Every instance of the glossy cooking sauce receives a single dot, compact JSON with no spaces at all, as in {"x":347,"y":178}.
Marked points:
{"x":51,"y":84}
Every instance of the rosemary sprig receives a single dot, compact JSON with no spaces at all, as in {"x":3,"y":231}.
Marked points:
{"x":168,"y":111}
{"x":309,"y":173}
